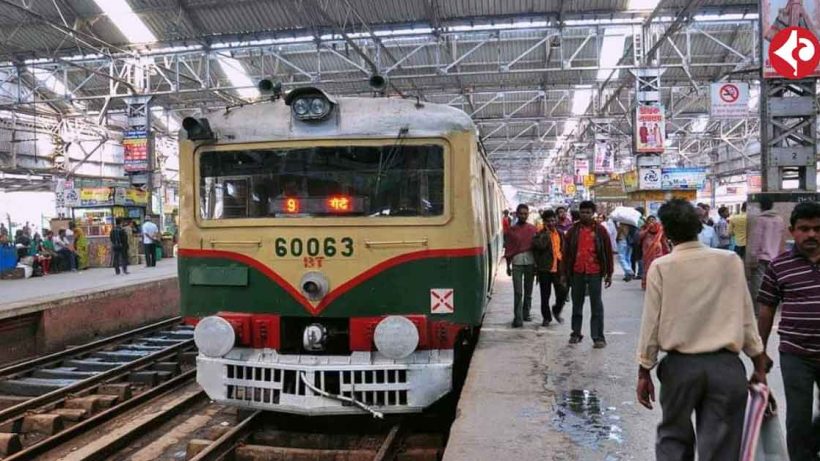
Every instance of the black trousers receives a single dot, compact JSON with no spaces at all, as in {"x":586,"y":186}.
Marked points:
{"x":800,"y":376}
{"x":581,"y":286}
{"x":150,"y":254}
{"x":546,"y":281}
{"x":714,"y":387}
{"x":119,"y":258}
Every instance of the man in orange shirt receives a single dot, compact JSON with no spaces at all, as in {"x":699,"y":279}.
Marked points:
{"x":548,"y":266}
{"x":588,"y":264}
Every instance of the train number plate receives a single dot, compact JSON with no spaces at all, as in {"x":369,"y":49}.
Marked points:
{"x":313,"y":251}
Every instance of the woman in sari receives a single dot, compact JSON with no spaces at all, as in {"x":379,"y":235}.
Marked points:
{"x":653,"y":244}
{"x":80,"y":246}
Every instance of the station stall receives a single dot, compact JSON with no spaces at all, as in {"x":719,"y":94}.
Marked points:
{"x":95,"y":212}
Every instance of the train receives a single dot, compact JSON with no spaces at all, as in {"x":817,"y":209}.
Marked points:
{"x":335,"y":253}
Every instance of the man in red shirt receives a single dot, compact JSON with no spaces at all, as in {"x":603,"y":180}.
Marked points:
{"x":588,"y":263}
{"x":521,"y":263}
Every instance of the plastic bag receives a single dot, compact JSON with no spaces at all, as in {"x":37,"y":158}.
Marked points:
{"x":771,"y":445}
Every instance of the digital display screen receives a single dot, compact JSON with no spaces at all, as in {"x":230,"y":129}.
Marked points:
{"x":332,"y":205}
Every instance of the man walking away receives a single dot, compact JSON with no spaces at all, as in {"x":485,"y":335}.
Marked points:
{"x":625,"y":249}
{"x":549,"y":267}
{"x":722,"y":229}
{"x":702,"y":332}
{"x":149,"y":238}
{"x":737,"y":228}
{"x":587,"y":262}
{"x":792,"y":281}
{"x":707,"y":235}
{"x":765,"y":244}
{"x":521,"y":264}
{"x":119,"y":248}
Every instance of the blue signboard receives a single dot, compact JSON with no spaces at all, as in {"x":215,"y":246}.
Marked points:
{"x":683,"y":178}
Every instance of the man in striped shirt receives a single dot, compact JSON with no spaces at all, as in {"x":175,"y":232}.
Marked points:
{"x":792,"y":281}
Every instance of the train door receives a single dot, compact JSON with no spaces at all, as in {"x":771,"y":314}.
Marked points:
{"x":488,"y":219}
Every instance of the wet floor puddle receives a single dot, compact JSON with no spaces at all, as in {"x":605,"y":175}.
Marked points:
{"x":583,"y":417}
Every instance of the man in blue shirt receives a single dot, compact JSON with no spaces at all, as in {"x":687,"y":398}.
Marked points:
{"x":707,"y":235}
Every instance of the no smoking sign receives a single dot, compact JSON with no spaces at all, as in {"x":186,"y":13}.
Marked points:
{"x":729,"y":93}
{"x":730,"y":100}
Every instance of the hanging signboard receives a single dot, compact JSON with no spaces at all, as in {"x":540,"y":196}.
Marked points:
{"x":649,"y":178}
{"x":777,"y":16}
{"x":630,"y":180}
{"x":581,"y":170}
{"x":754,"y":183}
{"x":604,"y":155}
{"x":589,"y":180}
{"x":135,"y":151}
{"x":729,"y":100}
{"x":136,"y":197}
{"x":650,"y":129}
{"x":95,"y":196}
{"x":569,"y":189}
{"x":683,"y":178}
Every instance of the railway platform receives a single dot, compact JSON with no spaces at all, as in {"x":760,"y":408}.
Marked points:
{"x":45,"y":314}
{"x":529,"y":395}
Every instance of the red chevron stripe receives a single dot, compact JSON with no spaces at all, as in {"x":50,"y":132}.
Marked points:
{"x":342,"y":289}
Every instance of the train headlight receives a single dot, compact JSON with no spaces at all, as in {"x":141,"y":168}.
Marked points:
{"x":396,"y":337}
{"x":301,"y":107}
{"x":309,"y":104}
{"x":318,"y":107}
{"x":214,"y":336}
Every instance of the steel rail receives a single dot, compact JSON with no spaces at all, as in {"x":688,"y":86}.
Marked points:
{"x":9,"y":414}
{"x":54,"y":441}
{"x":224,"y":445}
{"x":46,"y":360}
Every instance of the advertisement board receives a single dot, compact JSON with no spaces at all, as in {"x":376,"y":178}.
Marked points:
{"x":604,"y":156}
{"x":95,"y":196}
{"x":777,"y":15}
{"x":649,"y":178}
{"x":581,"y":170}
{"x":754,"y":182}
{"x":135,"y":151}
{"x":650,"y":129}
{"x":729,"y":100}
{"x":630,"y":180}
{"x":683,"y":178}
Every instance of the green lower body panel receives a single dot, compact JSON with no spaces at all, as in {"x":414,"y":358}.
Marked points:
{"x":401,"y":289}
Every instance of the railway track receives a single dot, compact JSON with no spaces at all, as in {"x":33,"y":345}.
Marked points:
{"x":263,"y":436}
{"x":49,"y":400}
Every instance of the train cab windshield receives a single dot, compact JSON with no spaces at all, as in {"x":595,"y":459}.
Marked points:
{"x":322,"y":181}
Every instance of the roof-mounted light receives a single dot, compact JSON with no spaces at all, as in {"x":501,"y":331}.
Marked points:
{"x":198,"y":130}
{"x":309,"y":104}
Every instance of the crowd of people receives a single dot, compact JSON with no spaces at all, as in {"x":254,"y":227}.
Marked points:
{"x":712,"y":289}
{"x":67,"y":250}
{"x":48,"y":253}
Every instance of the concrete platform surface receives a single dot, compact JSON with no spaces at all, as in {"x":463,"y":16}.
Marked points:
{"x":529,"y":395}
{"x":18,"y":297}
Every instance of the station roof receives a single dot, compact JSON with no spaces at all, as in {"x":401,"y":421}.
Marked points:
{"x":540,"y":78}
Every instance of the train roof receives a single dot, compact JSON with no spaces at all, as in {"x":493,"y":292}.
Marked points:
{"x":351,"y":118}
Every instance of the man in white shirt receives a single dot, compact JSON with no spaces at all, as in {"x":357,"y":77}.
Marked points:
{"x":702,"y":330}
{"x":150,"y":237}
{"x":63,"y":248}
